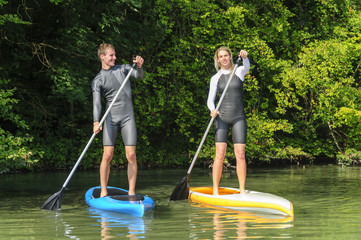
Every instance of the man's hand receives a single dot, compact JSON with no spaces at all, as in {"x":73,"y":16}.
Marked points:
{"x":139,"y":60}
{"x":96,"y":127}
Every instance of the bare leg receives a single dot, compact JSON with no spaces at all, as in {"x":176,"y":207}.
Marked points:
{"x":221,"y":149}
{"x":240,"y":152}
{"x":105,"y":169}
{"x":132,"y":168}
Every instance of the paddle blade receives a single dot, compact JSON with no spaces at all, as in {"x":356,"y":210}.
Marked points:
{"x":181,"y":191}
{"x":53,"y":202}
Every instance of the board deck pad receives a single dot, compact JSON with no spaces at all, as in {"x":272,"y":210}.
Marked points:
{"x":118,"y":194}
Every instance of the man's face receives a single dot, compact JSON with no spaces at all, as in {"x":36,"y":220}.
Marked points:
{"x":108,"y":59}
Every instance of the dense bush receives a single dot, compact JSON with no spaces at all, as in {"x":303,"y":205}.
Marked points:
{"x":302,"y":94}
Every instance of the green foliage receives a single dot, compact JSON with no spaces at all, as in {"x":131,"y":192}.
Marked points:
{"x":262,"y":137}
{"x":302,"y":98}
{"x":15,"y":151}
{"x":349,"y":157}
{"x":322,"y":90}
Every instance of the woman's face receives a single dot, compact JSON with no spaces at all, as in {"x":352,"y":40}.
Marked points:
{"x":224,"y":59}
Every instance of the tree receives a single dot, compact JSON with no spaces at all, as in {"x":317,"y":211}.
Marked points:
{"x":15,"y":139}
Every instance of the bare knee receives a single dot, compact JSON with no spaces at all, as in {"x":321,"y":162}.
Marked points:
{"x":219,"y":157}
{"x":131,"y":157}
{"x":239,"y":150}
{"x":241,"y":158}
{"x":130,"y":154}
{"x":221,"y":149}
{"x":107,"y":156}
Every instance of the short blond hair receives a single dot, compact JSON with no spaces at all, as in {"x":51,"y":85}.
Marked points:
{"x":103,"y":48}
{"x":217,"y":65}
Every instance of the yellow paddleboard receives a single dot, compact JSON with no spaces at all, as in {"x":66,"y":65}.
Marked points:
{"x":230,"y":198}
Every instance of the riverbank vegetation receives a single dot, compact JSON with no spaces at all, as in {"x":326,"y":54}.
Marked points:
{"x":302,"y":95}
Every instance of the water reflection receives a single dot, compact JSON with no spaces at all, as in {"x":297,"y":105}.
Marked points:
{"x":234,"y":224}
{"x":114,"y":224}
{"x":326,"y":200}
{"x":62,"y":227}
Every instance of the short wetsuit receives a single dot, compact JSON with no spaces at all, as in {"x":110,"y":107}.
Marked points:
{"x":231,"y":111}
{"x":107,"y":84}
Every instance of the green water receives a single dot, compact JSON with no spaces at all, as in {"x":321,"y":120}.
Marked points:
{"x":326,"y":200}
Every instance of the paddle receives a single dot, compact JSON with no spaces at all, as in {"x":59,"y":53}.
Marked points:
{"x":181,"y":191}
{"x":54,"y":202}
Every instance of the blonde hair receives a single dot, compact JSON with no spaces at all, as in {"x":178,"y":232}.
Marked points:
{"x":217,"y":65}
{"x":103,"y":48}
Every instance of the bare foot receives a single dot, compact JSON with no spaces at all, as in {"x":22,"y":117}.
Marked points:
{"x":242,"y":191}
{"x":215,"y":191}
{"x":104,"y":193}
{"x":131,"y":193}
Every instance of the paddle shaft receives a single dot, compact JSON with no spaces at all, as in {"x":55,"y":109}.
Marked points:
{"x":212,"y":119}
{"x":100,"y":124}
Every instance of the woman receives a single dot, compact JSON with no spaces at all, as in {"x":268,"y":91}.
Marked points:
{"x":230,"y":114}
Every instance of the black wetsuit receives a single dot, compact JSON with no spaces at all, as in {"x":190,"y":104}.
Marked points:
{"x":231,"y":111}
{"x":107,"y":84}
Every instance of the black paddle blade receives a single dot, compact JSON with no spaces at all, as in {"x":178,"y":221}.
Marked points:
{"x":53,"y":202}
{"x":181,"y":191}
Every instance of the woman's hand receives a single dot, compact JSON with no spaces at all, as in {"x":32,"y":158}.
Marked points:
{"x":243,"y":54}
{"x":214,"y":113}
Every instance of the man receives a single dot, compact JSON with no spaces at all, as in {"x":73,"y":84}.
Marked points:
{"x":106,"y":84}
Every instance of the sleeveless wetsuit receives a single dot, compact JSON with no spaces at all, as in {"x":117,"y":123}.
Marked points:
{"x":107,"y":84}
{"x":231,"y":111}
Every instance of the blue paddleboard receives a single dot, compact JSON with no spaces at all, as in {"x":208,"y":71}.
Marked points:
{"x":119,"y":201}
